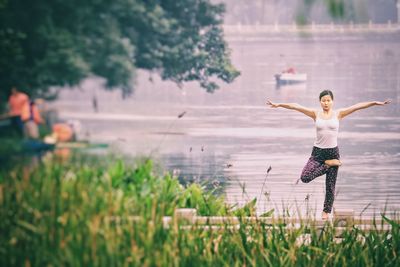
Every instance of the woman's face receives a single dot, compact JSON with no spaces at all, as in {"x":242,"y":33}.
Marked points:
{"x":326,"y":102}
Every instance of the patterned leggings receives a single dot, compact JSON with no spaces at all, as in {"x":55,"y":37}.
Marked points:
{"x":316,"y":167}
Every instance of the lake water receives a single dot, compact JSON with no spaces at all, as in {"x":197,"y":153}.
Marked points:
{"x":228,"y":139}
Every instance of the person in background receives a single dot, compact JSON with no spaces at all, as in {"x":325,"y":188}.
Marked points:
{"x":94,"y":104}
{"x":63,"y":132}
{"x":290,"y":70}
{"x":31,"y":118}
{"x":16,"y":102}
{"x":43,"y":110}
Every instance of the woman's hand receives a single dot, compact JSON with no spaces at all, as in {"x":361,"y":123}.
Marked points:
{"x":379,"y":103}
{"x":272,"y":105}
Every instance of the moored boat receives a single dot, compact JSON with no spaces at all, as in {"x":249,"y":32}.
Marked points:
{"x":289,"y":78}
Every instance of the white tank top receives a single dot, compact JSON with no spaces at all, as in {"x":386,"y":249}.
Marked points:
{"x":327,"y":131}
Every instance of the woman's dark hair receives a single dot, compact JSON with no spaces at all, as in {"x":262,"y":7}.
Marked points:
{"x":324,"y":93}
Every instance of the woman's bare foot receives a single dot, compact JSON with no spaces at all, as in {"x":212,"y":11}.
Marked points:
{"x":333,"y":162}
{"x":325,"y":216}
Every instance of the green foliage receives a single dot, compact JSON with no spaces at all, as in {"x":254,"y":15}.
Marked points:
{"x":206,"y":203}
{"x":249,"y":209}
{"x":337,"y":9}
{"x":56,"y":43}
{"x":268,"y":213}
{"x":79,"y":214}
{"x":10,"y":146}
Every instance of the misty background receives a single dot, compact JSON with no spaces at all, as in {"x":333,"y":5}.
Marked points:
{"x":255,"y":12}
{"x":229,"y":138}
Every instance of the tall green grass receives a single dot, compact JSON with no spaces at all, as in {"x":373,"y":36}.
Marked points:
{"x":59,"y":214}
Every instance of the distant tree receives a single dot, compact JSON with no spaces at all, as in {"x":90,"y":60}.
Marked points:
{"x":335,"y":8}
{"x":46,"y":43}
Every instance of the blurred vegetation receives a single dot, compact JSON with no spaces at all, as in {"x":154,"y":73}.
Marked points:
{"x":78,"y":214}
{"x":9,"y":146}
{"x":256,"y":12}
{"x":335,"y":8}
{"x":55,"y":43}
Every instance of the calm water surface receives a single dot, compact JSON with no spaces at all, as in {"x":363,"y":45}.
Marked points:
{"x":230,"y":138}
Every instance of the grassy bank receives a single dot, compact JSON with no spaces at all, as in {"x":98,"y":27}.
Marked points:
{"x":56,"y":215}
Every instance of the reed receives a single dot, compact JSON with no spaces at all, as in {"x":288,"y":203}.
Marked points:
{"x":60,"y":217}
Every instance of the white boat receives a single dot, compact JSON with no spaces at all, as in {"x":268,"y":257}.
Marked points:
{"x":288,"y":78}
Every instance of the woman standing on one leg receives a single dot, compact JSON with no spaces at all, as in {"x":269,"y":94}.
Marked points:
{"x":325,"y":158}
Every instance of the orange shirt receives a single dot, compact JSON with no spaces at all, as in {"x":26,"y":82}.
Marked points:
{"x":64,"y":132}
{"x":17,"y":102}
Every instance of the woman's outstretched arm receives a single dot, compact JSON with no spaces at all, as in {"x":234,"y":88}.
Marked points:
{"x":307,"y":111}
{"x":347,"y":111}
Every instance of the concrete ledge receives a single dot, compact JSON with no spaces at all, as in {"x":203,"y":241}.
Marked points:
{"x":188,"y":215}
{"x":342,"y":220}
